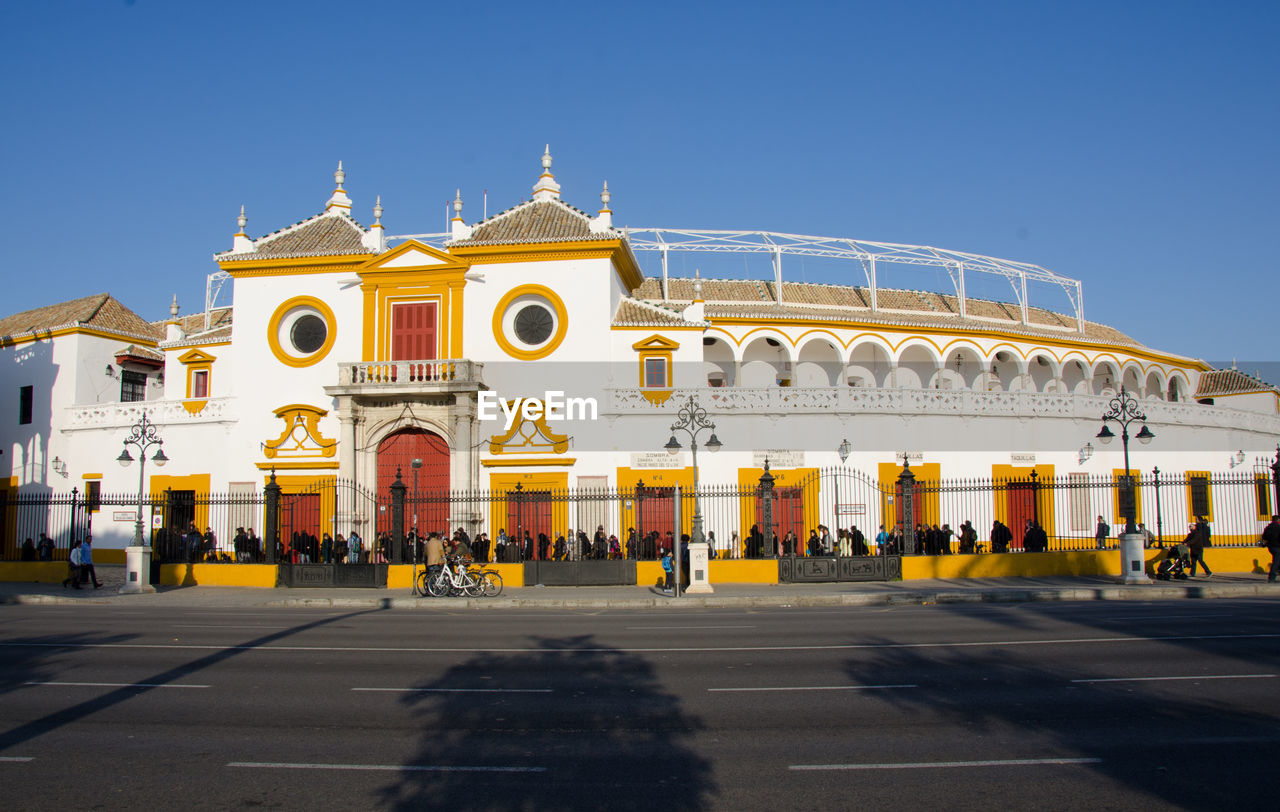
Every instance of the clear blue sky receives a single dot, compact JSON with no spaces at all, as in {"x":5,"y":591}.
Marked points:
{"x":1132,"y":145}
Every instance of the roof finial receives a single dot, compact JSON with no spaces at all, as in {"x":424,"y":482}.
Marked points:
{"x":339,"y":200}
{"x":377,"y":211}
{"x":457,"y":206}
{"x":605,"y":196}
{"x":240,"y":241}
{"x":241,"y":221}
{"x":697,"y":285}
{"x":173,"y":308}
{"x":546,"y":188}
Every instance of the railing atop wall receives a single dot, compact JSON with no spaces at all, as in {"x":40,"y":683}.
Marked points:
{"x":160,"y":412}
{"x":877,"y":400}
{"x":400,"y":373}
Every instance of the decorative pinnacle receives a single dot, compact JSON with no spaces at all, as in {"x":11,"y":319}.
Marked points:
{"x":173,"y":308}
{"x":457,"y":206}
{"x":339,"y":176}
{"x":242,"y":220}
{"x":604,"y":195}
{"x":377,"y":211}
{"x":546,"y":160}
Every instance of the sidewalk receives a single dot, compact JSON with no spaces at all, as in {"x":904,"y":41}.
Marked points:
{"x":727,"y":596}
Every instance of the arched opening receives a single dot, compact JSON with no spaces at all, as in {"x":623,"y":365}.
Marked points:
{"x":819,"y":365}
{"x":868,"y":365}
{"x":1155,"y":388}
{"x":717,"y":362}
{"x":1005,"y":369}
{"x":1042,"y":373}
{"x":916,"y":368}
{"x":427,"y":505}
{"x":1175,"y":389}
{"x":1106,"y":379}
{"x":961,"y":370}
{"x":765,"y":364}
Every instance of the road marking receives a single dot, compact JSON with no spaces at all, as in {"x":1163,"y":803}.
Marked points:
{"x":423,"y":768}
{"x":461,"y":690}
{"x":117,"y":685}
{"x":929,"y":765}
{"x":682,"y":628}
{"x":1163,"y":679}
{"x":1069,"y":641}
{"x":17,"y":758}
{"x":230,"y":626}
{"x":817,"y":688}
{"x":1156,"y":615}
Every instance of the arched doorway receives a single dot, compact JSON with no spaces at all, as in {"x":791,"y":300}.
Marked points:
{"x":428,"y":508}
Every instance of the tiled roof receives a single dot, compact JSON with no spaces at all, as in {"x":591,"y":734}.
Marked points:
{"x":1229,"y":382}
{"x":194,"y":322}
{"x":331,"y":233}
{"x":141,"y":353}
{"x":535,"y":221}
{"x":816,"y":302}
{"x":216,"y":334}
{"x":101,"y":311}
{"x":634,"y":313}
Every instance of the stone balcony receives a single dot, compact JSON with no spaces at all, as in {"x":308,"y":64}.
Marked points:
{"x":391,"y":378}
{"x":160,"y":412}
{"x":967,"y":403}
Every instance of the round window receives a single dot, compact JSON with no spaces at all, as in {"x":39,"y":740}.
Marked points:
{"x":533,"y":324}
{"x":308,"y":333}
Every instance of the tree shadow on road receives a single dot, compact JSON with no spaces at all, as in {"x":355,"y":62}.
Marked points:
{"x":583,"y":726}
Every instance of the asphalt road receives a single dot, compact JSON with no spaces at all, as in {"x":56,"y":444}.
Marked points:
{"x":1047,"y":706}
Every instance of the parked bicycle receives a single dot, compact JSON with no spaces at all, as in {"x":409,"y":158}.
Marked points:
{"x":460,"y":578}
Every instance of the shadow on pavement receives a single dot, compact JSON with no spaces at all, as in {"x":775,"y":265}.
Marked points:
{"x":600,"y":733}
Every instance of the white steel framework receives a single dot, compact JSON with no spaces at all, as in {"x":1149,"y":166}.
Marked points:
{"x":867,"y":254}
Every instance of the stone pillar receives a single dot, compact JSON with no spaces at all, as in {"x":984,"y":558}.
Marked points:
{"x":699,"y":570}
{"x":463,"y":463}
{"x":398,"y":489}
{"x":271,"y":518}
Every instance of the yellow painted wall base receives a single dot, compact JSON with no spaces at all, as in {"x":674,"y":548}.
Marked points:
{"x":255,"y":575}
{"x":1011,"y":565}
{"x":114,"y":555}
{"x":649,"y":573}
{"x":34,"y":572}
{"x":763,"y":571}
{"x":400,"y":576}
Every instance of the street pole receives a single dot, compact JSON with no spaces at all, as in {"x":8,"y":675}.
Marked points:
{"x":692,"y":420}
{"x":142,"y":435}
{"x":1124,"y":410}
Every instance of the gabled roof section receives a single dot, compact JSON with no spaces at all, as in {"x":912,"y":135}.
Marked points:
{"x":536,"y":221}
{"x":101,"y":311}
{"x":332,"y":233}
{"x":1218,"y":382}
{"x":635,"y":313}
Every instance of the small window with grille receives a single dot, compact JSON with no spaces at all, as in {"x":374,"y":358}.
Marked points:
{"x":133,"y":386}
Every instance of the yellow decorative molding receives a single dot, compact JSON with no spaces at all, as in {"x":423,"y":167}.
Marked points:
{"x":529,"y":437}
{"x":194,"y":406}
{"x":301,"y":436}
{"x":91,"y":476}
{"x":616,"y":250}
{"x":292,"y":266}
{"x":513,"y":462}
{"x":273,"y":331}
{"x":280,"y":465}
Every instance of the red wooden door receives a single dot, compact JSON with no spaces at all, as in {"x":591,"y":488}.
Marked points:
{"x":430,"y":501}
{"x":1018,"y":508}
{"x":413,"y":331}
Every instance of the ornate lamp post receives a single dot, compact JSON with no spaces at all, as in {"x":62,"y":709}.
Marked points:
{"x":1123,"y":409}
{"x":692,"y":420}
{"x":143,"y":435}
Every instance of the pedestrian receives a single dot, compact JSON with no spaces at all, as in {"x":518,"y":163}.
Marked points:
{"x":1197,"y":540}
{"x":1147,"y":536}
{"x":28,"y":551}
{"x":882,"y":541}
{"x":1271,"y":540}
{"x":667,"y":569}
{"x":73,"y":567}
{"x":44,"y":548}
{"x":1101,"y":533}
{"x":87,"y":572}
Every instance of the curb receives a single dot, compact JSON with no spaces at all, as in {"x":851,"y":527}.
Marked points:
{"x":1066,"y":594}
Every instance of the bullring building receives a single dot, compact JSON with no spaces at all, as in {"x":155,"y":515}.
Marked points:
{"x":547,"y":349}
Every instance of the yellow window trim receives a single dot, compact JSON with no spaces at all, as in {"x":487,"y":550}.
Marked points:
{"x":273,"y":331}
{"x":1208,"y":492}
{"x":282,"y":465}
{"x":562,"y":322}
{"x":659,"y":347}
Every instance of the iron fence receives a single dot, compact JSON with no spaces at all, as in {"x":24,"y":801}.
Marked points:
{"x":786,"y":516}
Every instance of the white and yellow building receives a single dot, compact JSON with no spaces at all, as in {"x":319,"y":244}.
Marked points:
{"x":347,"y":354}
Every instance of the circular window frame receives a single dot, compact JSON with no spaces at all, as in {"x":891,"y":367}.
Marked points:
{"x":283,"y":312}
{"x":512,"y":300}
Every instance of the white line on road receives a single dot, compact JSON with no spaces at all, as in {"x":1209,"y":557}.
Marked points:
{"x":681,"y":628}
{"x":1154,"y":616}
{"x":17,"y":758}
{"x":1068,"y":641}
{"x":929,"y":765}
{"x":1163,"y":679}
{"x":460,"y":690}
{"x":118,"y":685}
{"x":425,"y":768}
{"x":816,"y":688}
{"x":229,"y":626}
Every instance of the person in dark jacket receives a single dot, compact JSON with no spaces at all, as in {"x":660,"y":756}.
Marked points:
{"x":1001,"y":535}
{"x":1197,"y":540}
{"x":1271,"y":540}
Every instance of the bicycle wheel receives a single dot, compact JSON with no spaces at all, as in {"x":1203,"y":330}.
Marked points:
{"x":438,"y":585}
{"x":472,"y":586}
{"x":491,"y":582}
{"x":422,"y":583}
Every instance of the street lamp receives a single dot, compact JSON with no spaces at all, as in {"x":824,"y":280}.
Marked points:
{"x":692,"y":420}
{"x":415,"y":465}
{"x":844,"y":449}
{"x":1124,"y":410}
{"x":143,"y":435}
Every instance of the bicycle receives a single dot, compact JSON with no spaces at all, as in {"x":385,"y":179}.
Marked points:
{"x":460,"y":578}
